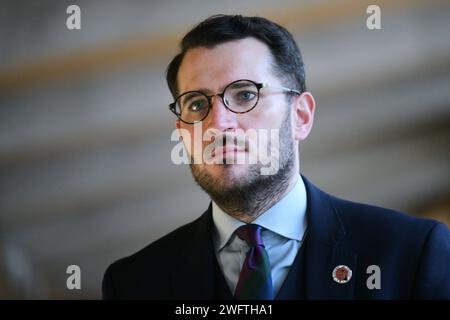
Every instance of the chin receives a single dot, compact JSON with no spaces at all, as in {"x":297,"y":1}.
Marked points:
{"x":227,"y":174}
{"x":227,"y":169}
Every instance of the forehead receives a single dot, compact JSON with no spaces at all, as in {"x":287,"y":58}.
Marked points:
{"x":213,"y":68}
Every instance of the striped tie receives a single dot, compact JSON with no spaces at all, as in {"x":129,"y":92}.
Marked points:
{"x":255,"y":281}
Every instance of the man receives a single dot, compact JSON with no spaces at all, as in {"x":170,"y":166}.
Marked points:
{"x":270,"y":234}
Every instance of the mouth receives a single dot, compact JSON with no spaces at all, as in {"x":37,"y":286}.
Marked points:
{"x":228,"y":150}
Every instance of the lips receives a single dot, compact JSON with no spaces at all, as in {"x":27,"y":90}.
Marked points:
{"x":223,"y":148}
{"x":226,"y":150}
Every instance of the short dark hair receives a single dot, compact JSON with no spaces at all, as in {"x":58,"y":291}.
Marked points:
{"x":219,"y":29}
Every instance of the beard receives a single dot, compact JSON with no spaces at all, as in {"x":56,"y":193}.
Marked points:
{"x":250,"y":193}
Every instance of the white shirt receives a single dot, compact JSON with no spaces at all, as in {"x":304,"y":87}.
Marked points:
{"x":284,"y":226}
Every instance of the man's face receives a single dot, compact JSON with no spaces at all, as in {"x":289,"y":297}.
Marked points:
{"x":210,"y":71}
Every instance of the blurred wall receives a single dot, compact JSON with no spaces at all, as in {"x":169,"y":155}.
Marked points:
{"x":86,"y":175}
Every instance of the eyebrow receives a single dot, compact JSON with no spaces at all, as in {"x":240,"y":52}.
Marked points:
{"x":241,"y":85}
{"x":208,"y":91}
{"x":203,"y":90}
{"x":191,"y":95}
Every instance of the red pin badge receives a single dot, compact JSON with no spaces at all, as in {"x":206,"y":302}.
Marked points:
{"x":342,"y":274}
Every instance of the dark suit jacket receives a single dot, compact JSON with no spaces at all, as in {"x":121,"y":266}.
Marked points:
{"x":413,"y":255}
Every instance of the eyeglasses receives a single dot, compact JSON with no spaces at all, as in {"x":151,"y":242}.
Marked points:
{"x":240,"y":96}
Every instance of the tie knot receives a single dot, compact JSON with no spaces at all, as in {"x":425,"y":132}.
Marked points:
{"x":250,"y":233}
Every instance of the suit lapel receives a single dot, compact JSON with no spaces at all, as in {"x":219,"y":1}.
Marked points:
{"x":320,"y":262}
{"x":325,"y":248}
{"x":192,"y":276}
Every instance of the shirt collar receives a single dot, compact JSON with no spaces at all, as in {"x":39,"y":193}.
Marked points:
{"x":286,"y":217}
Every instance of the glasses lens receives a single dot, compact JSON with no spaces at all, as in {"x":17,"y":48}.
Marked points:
{"x":241,"y":96}
{"x":192,"y":106}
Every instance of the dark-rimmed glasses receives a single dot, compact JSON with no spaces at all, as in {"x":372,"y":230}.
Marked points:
{"x":240,"y":96}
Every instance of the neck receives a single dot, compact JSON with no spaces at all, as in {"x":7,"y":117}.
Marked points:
{"x":247,"y":205}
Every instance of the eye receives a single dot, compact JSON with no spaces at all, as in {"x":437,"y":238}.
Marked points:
{"x":196,"y":106}
{"x":245,"y":95}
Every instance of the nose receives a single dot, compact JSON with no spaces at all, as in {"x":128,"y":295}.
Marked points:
{"x":220,"y":117}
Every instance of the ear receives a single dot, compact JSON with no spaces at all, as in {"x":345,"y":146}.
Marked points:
{"x":304,"y":106}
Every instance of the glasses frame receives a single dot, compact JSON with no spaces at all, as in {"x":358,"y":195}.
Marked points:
{"x":259,"y":86}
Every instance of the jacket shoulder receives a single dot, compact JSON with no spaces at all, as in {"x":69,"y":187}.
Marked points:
{"x":385,"y":222}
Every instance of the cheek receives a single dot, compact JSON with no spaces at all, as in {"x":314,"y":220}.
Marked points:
{"x":268,"y":116}
{"x":193,"y":141}
{"x":187,"y":135}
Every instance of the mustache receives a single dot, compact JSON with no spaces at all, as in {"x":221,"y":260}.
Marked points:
{"x":241,"y":141}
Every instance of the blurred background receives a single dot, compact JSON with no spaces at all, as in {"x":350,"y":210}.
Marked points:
{"x":85,"y":170}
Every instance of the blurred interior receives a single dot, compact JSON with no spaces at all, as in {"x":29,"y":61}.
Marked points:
{"x":86,"y":176}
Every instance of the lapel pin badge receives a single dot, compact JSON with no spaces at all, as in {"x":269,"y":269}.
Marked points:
{"x":342,"y":274}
